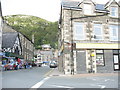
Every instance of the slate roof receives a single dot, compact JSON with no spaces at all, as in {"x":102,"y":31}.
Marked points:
{"x":100,"y":7}
{"x":75,"y":4}
{"x":70,"y":4}
{"x":8,"y":39}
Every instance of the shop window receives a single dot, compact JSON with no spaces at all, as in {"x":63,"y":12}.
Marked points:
{"x":100,"y":58}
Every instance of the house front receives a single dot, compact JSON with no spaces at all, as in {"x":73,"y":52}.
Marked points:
{"x":88,"y":37}
{"x":11,"y":45}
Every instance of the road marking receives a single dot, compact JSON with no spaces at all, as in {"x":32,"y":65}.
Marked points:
{"x":101,"y":86}
{"x":40,"y":83}
{"x":48,"y":73}
{"x":62,"y":86}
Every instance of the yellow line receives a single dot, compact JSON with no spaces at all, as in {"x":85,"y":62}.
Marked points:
{"x":48,"y":73}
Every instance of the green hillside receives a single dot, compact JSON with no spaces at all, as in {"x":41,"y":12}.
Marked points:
{"x":45,"y":32}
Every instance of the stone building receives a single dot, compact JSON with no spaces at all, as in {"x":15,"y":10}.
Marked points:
{"x":1,"y":21}
{"x":27,"y":47}
{"x":88,"y":37}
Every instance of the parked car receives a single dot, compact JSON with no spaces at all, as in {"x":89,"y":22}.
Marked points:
{"x":53,"y":65}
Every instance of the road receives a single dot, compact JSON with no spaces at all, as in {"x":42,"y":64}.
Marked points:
{"x":24,"y":78}
{"x":37,"y":78}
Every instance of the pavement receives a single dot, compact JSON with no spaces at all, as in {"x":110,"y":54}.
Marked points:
{"x":55,"y":72}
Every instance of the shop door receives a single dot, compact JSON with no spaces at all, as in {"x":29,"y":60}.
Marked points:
{"x":116,"y":62}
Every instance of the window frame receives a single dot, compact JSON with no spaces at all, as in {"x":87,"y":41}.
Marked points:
{"x":103,"y":57}
{"x":116,"y":54}
{"x":115,"y":12}
{"x":76,"y":35}
{"x":101,"y":28}
{"x":111,"y":32}
{"x":87,"y":11}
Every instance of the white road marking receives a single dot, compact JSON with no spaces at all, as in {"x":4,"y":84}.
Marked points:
{"x":62,"y":86}
{"x":101,"y":86}
{"x":40,"y":83}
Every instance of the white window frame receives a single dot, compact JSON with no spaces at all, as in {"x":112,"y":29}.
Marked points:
{"x":112,"y":37}
{"x":100,"y":27}
{"x":115,"y":12}
{"x":76,"y":35}
{"x":87,"y":9}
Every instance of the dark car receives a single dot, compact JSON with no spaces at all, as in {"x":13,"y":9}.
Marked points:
{"x":53,"y":65}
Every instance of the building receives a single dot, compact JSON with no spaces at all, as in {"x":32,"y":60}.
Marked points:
{"x":45,"y":55}
{"x":1,"y":21}
{"x":46,"y":47}
{"x":11,"y":44}
{"x":88,"y":37}
{"x":27,"y":47}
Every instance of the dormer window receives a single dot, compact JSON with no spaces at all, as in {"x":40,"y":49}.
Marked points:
{"x":87,"y":9}
{"x":114,"y":12}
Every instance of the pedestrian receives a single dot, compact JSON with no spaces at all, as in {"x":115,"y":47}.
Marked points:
{"x":14,"y":66}
{"x":25,"y":65}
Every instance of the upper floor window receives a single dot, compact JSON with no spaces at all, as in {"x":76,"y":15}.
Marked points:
{"x":114,"y":12}
{"x":79,"y":31}
{"x":98,"y":32}
{"x":113,"y":32}
{"x":87,"y":9}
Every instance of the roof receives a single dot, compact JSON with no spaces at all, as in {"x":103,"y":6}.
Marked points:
{"x":46,"y":52}
{"x":75,"y":4}
{"x":70,"y":4}
{"x":8,"y":39}
{"x":46,"y":46}
{"x":100,"y":7}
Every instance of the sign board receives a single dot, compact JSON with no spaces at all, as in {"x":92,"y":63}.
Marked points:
{"x":97,"y":46}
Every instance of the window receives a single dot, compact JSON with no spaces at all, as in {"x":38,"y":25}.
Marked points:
{"x":116,"y":59}
{"x":78,"y":31}
{"x":98,"y":32}
{"x":87,"y":9}
{"x":100,"y":58}
{"x":113,"y":32}
{"x":114,"y":12}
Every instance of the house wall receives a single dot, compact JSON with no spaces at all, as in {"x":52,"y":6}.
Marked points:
{"x":27,"y":45}
{"x":66,"y":36}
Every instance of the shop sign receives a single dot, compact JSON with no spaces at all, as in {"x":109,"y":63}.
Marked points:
{"x":97,"y":46}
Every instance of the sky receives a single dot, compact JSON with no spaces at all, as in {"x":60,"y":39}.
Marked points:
{"x":46,"y":9}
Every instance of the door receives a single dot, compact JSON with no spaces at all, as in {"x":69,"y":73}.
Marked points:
{"x":116,"y":62}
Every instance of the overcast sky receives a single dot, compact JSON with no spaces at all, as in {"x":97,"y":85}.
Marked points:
{"x":47,"y":9}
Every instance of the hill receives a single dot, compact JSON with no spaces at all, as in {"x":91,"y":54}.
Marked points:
{"x":44,"y":32}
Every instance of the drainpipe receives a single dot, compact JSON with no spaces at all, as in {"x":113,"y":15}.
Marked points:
{"x":72,"y":59}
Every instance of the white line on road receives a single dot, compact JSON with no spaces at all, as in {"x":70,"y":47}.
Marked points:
{"x":61,"y":86}
{"x":40,"y":83}
{"x":101,"y":86}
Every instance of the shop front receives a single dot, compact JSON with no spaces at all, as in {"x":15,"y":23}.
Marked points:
{"x":96,"y":58}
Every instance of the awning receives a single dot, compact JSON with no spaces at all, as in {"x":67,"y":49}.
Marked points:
{"x":45,"y":61}
{"x":1,"y":54}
